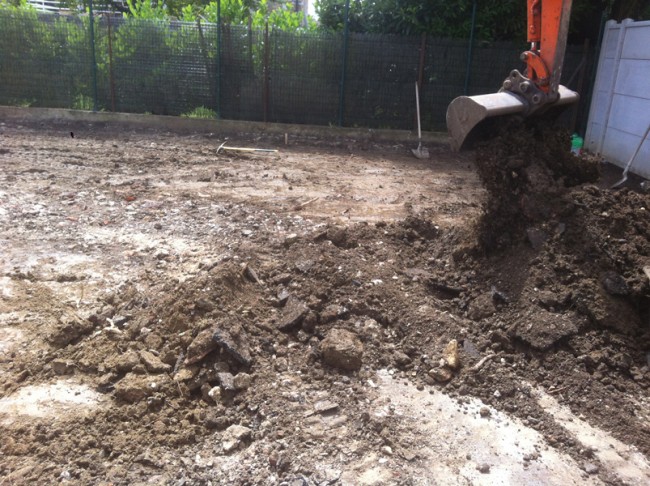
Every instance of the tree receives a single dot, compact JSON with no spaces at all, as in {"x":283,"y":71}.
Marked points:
{"x":495,"y":19}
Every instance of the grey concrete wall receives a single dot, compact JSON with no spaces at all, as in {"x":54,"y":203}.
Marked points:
{"x":620,"y":108}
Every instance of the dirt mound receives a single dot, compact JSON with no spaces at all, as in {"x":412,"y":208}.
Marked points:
{"x":525,"y":170}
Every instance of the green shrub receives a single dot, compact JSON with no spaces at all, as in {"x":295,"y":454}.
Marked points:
{"x":200,"y":112}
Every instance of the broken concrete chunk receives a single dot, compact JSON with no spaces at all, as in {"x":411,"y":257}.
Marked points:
{"x":234,"y":343}
{"x":450,"y":355}
{"x":342,"y":349}
{"x":153,"y":363}
{"x":226,"y":380}
{"x":200,"y":347}
{"x":292,"y":315}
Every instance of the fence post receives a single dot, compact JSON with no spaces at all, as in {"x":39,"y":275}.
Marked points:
{"x":110,"y":63}
{"x":92,"y":46}
{"x":218,"y":94}
{"x":346,"y":33}
{"x":470,"y":50}
{"x":266,"y":72}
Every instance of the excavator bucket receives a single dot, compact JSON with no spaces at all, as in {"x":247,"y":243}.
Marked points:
{"x":474,"y":118}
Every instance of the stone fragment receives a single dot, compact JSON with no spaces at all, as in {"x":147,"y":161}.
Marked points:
{"x":536,"y":237}
{"x":290,"y":239}
{"x":615,"y":284}
{"x":342,"y":349}
{"x":325,"y":406}
{"x":485,"y":412}
{"x":293,"y":313}
{"x":333,"y":312}
{"x":226,"y":380}
{"x":215,"y":394}
{"x":153,"y":363}
{"x":591,"y":468}
{"x":125,"y":362}
{"x":242,"y":381}
{"x":234,"y":342}
{"x":133,"y":388}
{"x":450,"y":355}
{"x":233,"y":436}
{"x":401,"y":359}
{"x":186,"y":373}
{"x":337,"y":235}
{"x":202,"y":345}
{"x":483,"y":468}
{"x":441,"y":375}
{"x":481,"y":307}
{"x":62,"y":367}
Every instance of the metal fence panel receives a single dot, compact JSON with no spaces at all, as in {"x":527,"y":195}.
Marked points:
{"x":173,"y":68}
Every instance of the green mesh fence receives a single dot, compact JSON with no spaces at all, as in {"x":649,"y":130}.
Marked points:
{"x":174,"y":68}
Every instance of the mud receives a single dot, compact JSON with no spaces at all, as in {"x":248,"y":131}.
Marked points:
{"x":239,"y":317}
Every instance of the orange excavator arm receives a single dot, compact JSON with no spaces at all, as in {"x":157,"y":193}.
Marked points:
{"x":534,"y":91}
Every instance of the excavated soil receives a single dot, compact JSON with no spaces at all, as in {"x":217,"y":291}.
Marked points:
{"x":227,"y":318}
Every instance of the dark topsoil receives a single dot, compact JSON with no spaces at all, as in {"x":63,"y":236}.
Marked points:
{"x":551,"y":280}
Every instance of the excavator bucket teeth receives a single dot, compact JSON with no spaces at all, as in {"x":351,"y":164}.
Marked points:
{"x":474,"y":118}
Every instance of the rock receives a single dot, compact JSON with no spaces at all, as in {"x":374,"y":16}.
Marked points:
{"x":290,"y":239}
{"x":485,"y":412}
{"x":536,"y":237}
{"x":325,"y":406}
{"x":282,"y":296}
{"x":292,"y":315}
{"x":234,"y":342}
{"x":646,"y":270}
{"x":401,"y":359}
{"x":342,"y":349}
{"x":233,"y":436}
{"x":202,"y":345}
{"x":186,"y":373}
{"x":333,"y":312}
{"x":615,"y":284}
{"x":450,"y":355}
{"x":133,"y":388}
{"x":542,"y":329}
{"x":125,"y":362}
{"x":227,"y":381}
{"x":481,"y":307}
{"x":215,"y":394}
{"x":337,"y":235}
{"x":153,"y":363}
{"x":242,"y":381}
{"x":387,"y":450}
{"x":441,"y":375}
{"x":68,"y":328}
{"x":250,"y":274}
{"x":62,"y":367}
{"x":483,"y":468}
{"x":591,"y":468}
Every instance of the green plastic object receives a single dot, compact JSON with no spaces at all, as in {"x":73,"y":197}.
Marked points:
{"x":576,"y":143}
